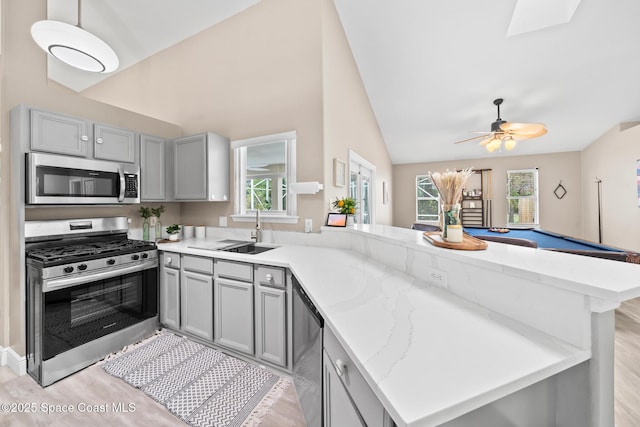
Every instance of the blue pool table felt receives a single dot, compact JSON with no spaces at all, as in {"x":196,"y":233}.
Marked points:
{"x":545,"y":239}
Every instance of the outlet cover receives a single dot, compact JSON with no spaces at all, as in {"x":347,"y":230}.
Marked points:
{"x":308,"y":225}
{"x":222,"y":221}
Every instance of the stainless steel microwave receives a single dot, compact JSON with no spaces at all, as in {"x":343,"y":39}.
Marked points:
{"x":60,"y":180}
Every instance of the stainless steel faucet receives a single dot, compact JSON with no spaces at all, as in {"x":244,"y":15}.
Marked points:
{"x":257,"y":233}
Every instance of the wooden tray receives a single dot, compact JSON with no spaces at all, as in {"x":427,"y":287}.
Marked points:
{"x":469,"y":243}
{"x":168,"y":241}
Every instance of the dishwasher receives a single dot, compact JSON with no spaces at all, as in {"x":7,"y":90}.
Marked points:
{"x":307,"y":355}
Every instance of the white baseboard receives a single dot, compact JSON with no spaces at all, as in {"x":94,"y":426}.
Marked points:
{"x":16,"y":363}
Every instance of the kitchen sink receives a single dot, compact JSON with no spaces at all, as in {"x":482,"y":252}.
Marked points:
{"x":247,"y":248}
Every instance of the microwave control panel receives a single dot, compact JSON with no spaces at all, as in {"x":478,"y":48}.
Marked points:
{"x":131,"y":185}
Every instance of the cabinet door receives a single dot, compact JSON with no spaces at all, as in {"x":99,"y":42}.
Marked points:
{"x":271,"y":331}
{"x":152,"y":168}
{"x":197,"y":304}
{"x":114,"y":144}
{"x":170,"y":297}
{"x":339,"y":410}
{"x":234,"y":315}
{"x":190,"y":168}
{"x":56,"y":133}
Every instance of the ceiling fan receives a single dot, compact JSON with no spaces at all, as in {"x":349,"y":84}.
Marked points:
{"x":506,"y":132}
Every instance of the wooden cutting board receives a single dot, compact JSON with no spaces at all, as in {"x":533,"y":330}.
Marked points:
{"x":469,"y":243}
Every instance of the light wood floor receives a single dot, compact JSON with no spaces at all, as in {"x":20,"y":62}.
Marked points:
{"x":92,"y":387}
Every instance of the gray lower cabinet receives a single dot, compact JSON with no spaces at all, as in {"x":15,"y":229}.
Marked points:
{"x":153,"y":169}
{"x":170,"y":290}
{"x":115,"y":144}
{"x":348,"y":399}
{"x":58,"y":133}
{"x":271,"y":315}
{"x":234,"y":310}
{"x":234,"y":315}
{"x":196,"y":295}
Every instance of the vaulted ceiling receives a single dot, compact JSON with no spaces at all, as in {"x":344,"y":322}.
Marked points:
{"x":432,"y":69}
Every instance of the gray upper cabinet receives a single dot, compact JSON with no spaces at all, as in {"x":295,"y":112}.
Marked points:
{"x":201,"y":166}
{"x":57,"y":133}
{"x":153,"y":170}
{"x":111,"y":143}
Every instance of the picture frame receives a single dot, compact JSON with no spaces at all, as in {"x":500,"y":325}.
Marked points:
{"x":339,"y":172}
{"x":336,"y":219}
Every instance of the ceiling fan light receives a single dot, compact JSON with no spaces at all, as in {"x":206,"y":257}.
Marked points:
{"x":494,"y":144}
{"x":75,"y":46}
{"x":509,"y":142}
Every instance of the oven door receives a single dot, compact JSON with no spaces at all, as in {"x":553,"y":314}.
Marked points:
{"x":79,"y":313}
{"x":63,"y":180}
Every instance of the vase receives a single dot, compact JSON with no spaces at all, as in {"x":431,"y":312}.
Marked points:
{"x":145,"y":229}
{"x":450,"y":216}
{"x":158,"y":230}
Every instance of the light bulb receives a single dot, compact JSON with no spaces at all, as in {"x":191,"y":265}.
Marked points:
{"x":509,"y":142}
{"x":494,"y":144}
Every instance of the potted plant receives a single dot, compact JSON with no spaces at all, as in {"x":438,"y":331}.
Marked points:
{"x":145,"y":213}
{"x":157,"y":212}
{"x":173,"y":231}
{"x":346,"y":205}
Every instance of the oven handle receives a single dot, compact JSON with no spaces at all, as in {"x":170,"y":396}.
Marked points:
{"x":65,"y":282}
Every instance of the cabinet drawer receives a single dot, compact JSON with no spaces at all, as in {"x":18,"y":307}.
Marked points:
{"x":170,"y":259}
{"x":366,"y":401}
{"x":270,"y":276}
{"x":199,"y":264}
{"x":234,"y":270}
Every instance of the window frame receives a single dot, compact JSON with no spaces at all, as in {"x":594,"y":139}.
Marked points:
{"x":241,"y":214}
{"x":426,"y":221}
{"x":535,"y":197}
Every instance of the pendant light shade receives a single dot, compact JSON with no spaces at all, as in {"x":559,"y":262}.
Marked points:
{"x":73,"y":45}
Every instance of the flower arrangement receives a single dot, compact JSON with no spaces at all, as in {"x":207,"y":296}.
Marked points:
{"x":450,"y":184}
{"x":346,"y":205}
{"x":145,"y":212}
{"x":157,"y":211}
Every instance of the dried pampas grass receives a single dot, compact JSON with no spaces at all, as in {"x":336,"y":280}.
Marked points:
{"x":450,"y":184}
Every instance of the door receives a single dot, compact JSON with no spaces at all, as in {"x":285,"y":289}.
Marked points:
{"x":197,"y":304}
{"x":114,"y":144}
{"x":271,"y":337}
{"x":170,"y":297}
{"x":234,"y":315}
{"x":57,"y":133}
{"x":361,"y":188}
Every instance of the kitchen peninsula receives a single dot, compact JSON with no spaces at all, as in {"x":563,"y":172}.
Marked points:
{"x":444,"y":337}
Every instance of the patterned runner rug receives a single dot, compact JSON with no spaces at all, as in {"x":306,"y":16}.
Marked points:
{"x":199,"y":385}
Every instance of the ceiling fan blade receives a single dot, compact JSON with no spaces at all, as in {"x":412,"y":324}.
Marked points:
{"x":487,"y":140}
{"x":471,"y":139}
{"x":528,"y":135}
{"x":522,"y":128}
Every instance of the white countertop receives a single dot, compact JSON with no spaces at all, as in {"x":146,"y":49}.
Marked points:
{"x":428,"y":355}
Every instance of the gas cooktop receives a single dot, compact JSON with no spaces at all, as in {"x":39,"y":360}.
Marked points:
{"x":64,"y":253}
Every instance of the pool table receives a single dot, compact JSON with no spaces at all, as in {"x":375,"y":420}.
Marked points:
{"x":554,"y":241}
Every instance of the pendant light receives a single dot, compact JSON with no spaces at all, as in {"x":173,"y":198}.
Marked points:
{"x":75,"y":46}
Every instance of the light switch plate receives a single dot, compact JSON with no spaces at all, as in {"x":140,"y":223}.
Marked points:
{"x":222,"y":221}
{"x":308,"y":225}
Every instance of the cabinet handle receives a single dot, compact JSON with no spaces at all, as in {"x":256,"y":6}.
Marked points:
{"x":268,"y":277}
{"x":84,"y":138}
{"x":99,"y":140}
{"x":168,"y":261}
{"x":340,"y":367}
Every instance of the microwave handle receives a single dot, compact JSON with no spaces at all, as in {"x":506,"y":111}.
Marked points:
{"x":122,"y":185}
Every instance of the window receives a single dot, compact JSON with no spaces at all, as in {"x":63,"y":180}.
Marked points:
{"x":264,"y":166}
{"x":427,"y":199}
{"x":361,"y":187}
{"x":522,"y":197}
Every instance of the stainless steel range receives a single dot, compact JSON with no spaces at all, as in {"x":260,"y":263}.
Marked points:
{"x":90,"y":291}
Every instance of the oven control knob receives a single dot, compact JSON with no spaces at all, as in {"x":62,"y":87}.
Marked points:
{"x":82,"y":267}
{"x":145,"y":256}
{"x":68,"y":269}
{"x":111,"y":261}
{"x":135,"y":257}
